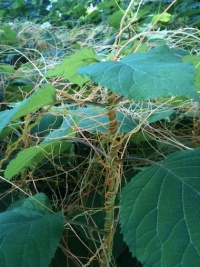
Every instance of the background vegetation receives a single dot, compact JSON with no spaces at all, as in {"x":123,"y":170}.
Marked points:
{"x":99,"y":133}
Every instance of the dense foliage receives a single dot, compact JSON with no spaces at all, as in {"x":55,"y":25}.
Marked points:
{"x":99,"y":133}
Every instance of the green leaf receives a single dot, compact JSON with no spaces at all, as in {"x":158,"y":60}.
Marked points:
{"x":92,"y":119}
{"x":29,"y":233}
{"x":17,"y":89}
{"x":141,"y":47}
{"x":47,"y":123}
{"x":6,"y":69}
{"x":31,"y":157}
{"x":164,"y":18}
{"x":53,"y":144}
{"x":144,"y":76}
{"x":42,"y":97}
{"x":95,"y":119}
{"x":67,"y":129}
{"x":195,"y":60}
{"x":38,"y":203}
{"x":7,"y":35}
{"x":69,"y":66}
{"x":80,"y":10}
{"x":115,"y":19}
{"x":18,"y":4}
{"x":160,"y":212}
{"x":9,"y":130}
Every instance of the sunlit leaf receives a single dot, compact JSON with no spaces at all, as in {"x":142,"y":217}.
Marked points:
{"x":68,"y":67}
{"x":165,"y":17}
{"x":7,"y":35}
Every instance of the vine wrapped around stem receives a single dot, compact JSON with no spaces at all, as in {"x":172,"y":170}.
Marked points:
{"x":113,"y":177}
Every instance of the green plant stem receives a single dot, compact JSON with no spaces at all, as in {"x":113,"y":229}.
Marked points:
{"x":113,"y":175}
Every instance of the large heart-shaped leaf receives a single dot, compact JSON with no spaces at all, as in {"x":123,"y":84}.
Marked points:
{"x":160,"y":214}
{"x":29,"y":233}
{"x":144,"y":76}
